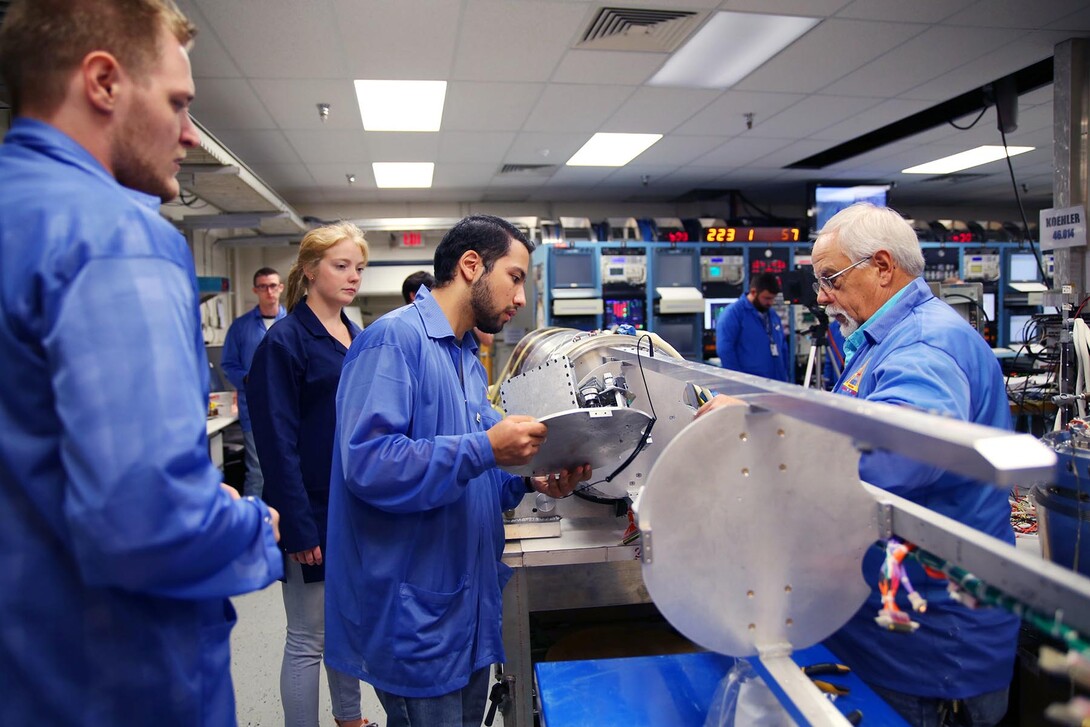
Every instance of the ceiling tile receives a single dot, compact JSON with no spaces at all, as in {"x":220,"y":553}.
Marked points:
{"x":538,"y":148}
{"x":293,"y":103}
{"x":463,"y":175}
{"x":886,"y":112}
{"x":678,"y":150}
{"x":571,"y":107}
{"x":473,"y":146}
{"x":489,"y":106}
{"x":287,"y":39}
{"x":259,"y":147}
{"x":833,"y":49}
{"x":931,"y":54}
{"x":334,"y":175}
{"x":812,"y":8}
{"x":401,"y":146}
{"x":586,"y":66}
{"x":424,"y":50}
{"x":1031,"y":48}
{"x":657,"y":110}
{"x":813,"y":114}
{"x":740,"y":151}
{"x":208,"y":57}
{"x":229,"y":103}
{"x":918,"y":11}
{"x":329,"y":146}
{"x":530,"y":38}
{"x":726,"y":115}
{"x":279,"y":176}
{"x":1015,"y":13}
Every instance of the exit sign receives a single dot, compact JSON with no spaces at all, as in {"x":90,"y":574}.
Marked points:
{"x":412,"y":239}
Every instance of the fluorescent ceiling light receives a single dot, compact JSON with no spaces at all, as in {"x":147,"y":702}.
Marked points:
{"x":612,"y":150}
{"x":729,"y":47}
{"x":966,"y":160}
{"x":403,"y":175}
{"x":401,"y":105}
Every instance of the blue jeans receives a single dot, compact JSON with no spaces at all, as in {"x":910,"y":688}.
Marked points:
{"x":255,"y":481}
{"x":304,"y":604}
{"x":983,"y":710}
{"x":463,"y":708}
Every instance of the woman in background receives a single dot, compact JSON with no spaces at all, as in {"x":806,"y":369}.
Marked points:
{"x":291,"y":389}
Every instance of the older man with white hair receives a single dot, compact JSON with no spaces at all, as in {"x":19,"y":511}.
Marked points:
{"x":904,"y":346}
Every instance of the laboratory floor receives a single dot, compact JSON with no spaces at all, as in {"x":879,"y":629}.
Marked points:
{"x":257,"y":646}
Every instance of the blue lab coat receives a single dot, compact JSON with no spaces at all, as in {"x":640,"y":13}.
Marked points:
{"x":920,"y":353}
{"x":292,"y":388}
{"x":238,"y":352}
{"x":744,"y":341}
{"x":415,"y":514}
{"x":117,"y":544}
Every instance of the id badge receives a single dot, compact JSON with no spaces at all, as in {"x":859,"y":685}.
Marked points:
{"x":775,"y":349}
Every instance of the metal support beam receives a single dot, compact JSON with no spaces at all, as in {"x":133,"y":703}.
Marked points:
{"x":797,"y":693}
{"x":260,"y":241}
{"x":984,"y":453}
{"x":238,"y":220}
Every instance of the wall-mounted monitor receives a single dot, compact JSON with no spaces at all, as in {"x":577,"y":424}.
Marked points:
{"x":989,"y":305}
{"x":713,"y":307}
{"x":826,"y":199}
{"x":679,"y":334}
{"x":573,"y":269}
{"x":675,"y":268}
{"x":1020,"y":329}
{"x":1023,"y":267}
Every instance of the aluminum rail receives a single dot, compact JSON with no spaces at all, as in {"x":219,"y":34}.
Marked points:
{"x":992,"y":455}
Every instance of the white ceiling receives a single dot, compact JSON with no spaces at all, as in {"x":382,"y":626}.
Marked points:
{"x":520,"y":93}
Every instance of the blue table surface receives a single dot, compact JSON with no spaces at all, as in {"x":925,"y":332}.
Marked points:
{"x":674,"y":690}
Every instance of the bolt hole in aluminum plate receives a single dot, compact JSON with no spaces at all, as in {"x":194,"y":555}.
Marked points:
{"x":601,"y":437}
{"x":758,"y":539}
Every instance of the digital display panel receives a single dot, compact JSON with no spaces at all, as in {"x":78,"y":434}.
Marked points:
{"x":751,"y":234}
{"x":621,"y":311}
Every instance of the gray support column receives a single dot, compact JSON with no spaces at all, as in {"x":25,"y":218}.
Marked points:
{"x":1070,"y":119}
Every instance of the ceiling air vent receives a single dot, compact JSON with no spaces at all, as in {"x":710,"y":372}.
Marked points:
{"x":528,"y":170}
{"x":639,"y":29}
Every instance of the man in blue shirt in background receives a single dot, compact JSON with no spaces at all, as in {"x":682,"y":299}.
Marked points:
{"x":242,"y":340}
{"x":749,"y":334}
{"x":413,"y":571}
{"x":118,"y":544}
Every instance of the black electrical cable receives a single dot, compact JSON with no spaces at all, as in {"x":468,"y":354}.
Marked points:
{"x":644,"y":438}
{"x":966,"y":128}
{"x":971,"y":300}
{"x":1018,"y":198}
